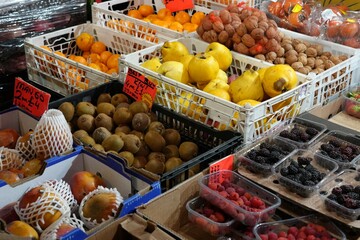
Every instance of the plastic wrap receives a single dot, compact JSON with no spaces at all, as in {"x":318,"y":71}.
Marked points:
{"x":27,"y":18}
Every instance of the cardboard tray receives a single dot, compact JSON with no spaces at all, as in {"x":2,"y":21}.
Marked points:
{"x":213,"y":144}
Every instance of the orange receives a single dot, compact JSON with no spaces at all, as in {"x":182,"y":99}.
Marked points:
{"x":169,"y":18}
{"x":59,"y":63}
{"x":82,"y":85}
{"x":182,"y":17}
{"x":114,"y":24}
{"x":84,"y":41}
{"x":135,"y":14}
{"x":42,"y":55}
{"x":146,"y":10}
{"x":103,"y":67}
{"x":161,"y":23}
{"x":94,"y":58}
{"x":104,"y":56}
{"x":80,"y":59}
{"x":152,"y":17}
{"x":176,"y":26}
{"x":127,"y":27}
{"x":71,"y":57}
{"x":94,"y":66}
{"x":112,"y":61}
{"x":86,"y":54}
{"x":162,"y":13}
{"x":98,"y":47}
{"x":72,"y":76}
{"x":197,"y":17}
{"x":112,"y":70}
{"x":190,"y":27}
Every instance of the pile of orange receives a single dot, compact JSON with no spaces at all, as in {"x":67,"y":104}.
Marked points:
{"x":94,"y":55}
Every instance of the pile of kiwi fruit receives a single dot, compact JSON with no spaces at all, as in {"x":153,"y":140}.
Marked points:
{"x":130,"y":130}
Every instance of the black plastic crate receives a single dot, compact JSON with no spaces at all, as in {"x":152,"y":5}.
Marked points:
{"x":213,"y":144}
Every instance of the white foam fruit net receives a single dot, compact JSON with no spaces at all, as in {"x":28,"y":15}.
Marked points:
{"x":63,"y":188}
{"x":50,"y":233}
{"x":10,"y":158}
{"x":52,"y":135}
{"x":25,"y":148}
{"x":91,"y":223}
{"x":48,"y":205}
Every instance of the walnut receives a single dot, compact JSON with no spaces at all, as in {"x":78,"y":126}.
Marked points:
{"x":302,"y":59}
{"x":308,"y":67}
{"x":327,"y":54}
{"x":271,"y":56}
{"x":335,"y":59}
{"x":272,"y":45}
{"x":269,"y":61}
{"x":279,"y":60}
{"x":300,"y":48}
{"x":318,"y":62}
{"x":241,"y":30}
{"x":303,"y":70}
{"x":311,"y":52}
{"x":260,"y":57}
{"x":343,"y":57}
{"x":311,"y":62}
{"x":247,"y":40}
{"x":280,"y":52}
{"x":319,"y":48}
{"x":230,"y":29}
{"x":290,"y":59}
{"x":329,"y":64}
{"x":257,"y":33}
{"x":296,"y":42}
{"x":287,"y":47}
{"x":263,"y":25}
{"x":287,"y":39}
{"x":324,"y":58}
{"x":271,"y":32}
{"x":291,"y":52}
{"x":251,"y":23}
{"x":218,"y":26}
{"x":307,"y":44}
{"x":297,"y":65}
{"x":241,"y":48}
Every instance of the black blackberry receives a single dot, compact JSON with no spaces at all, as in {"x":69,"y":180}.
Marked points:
{"x":285,"y":134}
{"x":252,"y":154}
{"x":337,"y":191}
{"x":264,"y":152}
{"x":332,"y":197}
{"x":346,"y":188}
{"x":327,"y":147}
{"x":357,"y":189}
{"x":345,"y":158}
{"x":357,"y":203}
{"x":316,"y":176}
{"x":348,"y":151}
{"x":284,"y":172}
{"x":304,"y":160}
{"x":356,"y":150}
{"x":353,"y":195}
{"x":311,"y":131}
{"x":310,"y":168}
{"x":335,"y":155}
{"x":307,"y":175}
{"x":324,"y":153}
{"x":341,"y":199}
{"x":350,"y":203}
{"x":265,"y":145}
{"x":294,"y":163}
{"x":275,"y":147}
{"x":296,"y":131}
{"x":294,"y":137}
{"x":336,"y":143}
{"x":261,"y":159}
{"x":275,"y":156}
{"x":292,"y":169}
{"x":304,"y":137}
{"x":309,"y":183}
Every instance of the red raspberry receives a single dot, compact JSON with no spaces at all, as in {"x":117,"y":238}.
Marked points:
{"x":256,"y":202}
{"x":213,"y":186}
{"x":293,"y":231}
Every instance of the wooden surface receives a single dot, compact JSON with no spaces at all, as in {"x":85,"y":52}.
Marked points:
{"x":313,"y":203}
{"x":346,"y":120}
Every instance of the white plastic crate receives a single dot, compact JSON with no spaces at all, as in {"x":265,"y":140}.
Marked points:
{"x":113,"y":15}
{"x":187,"y":100}
{"x":221,"y":4}
{"x":330,"y":84}
{"x":65,"y":76}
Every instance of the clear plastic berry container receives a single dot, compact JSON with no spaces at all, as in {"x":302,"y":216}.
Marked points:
{"x":303,"y":125}
{"x":237,"y":196}
{"x":351,"y":102}
{"x":347,"y":177}
{"x":302,"y":178}
{"x":309,"y":224}
{"x":263,"y":161}
{"x":198,"y":208}
{"x":343,"y":140}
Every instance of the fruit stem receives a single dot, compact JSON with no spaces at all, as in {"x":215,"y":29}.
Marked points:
{"x":279,"y":84}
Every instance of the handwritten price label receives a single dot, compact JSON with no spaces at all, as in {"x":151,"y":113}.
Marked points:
{"x":178,"y":5}
{"x":30,"y":98}
{"x":225,"y":163}
{"x":139,"y":87}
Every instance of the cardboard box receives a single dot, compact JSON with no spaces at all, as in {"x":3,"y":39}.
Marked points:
{"x":115,"y":175}
{"x":17,"y":119}
{"x":169,"y":210}
{"x":131,"y":226}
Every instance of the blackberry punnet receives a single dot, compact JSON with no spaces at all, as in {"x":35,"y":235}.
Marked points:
{"x":335,"y":155}
{"x":346,"y":188}
{"x":265,"y":145}
{"x":311,"y":131}
{"x":336,"y":143}
{"x":309,"y":183}
{"x":348,"y":151}
{"x":327,"y":147}
{"x":284,"y":172}
{"x":264,"y":152}
{"x":252,"y":154}
{"x":285,"y":134}
{"x":292,"y":169}
{"x":304,"y":160}
{"x":353,"y":195}
{"x":296,"y":131}
{"x":336,"y":191}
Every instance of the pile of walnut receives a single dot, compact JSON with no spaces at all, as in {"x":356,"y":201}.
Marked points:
{"x":303,"y":56}
{"x":241,"y":28}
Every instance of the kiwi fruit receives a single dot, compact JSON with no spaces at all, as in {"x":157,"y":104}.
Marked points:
{"x":68,"y":109}
{"x":140,"y":122}
{"x":131,"y":143}
{"x":155,"y":141}
{"x":155,"y":166}
{"x":86,"y":122}
{"x":87,"y":140}
{"x":114,"y":142}
{"x":122,"y":116}
{"x":128,"y":156}
{"x":143,"y":150}
{"x":103,"y":120}
{"x":156,"y":156}
{"x":119,"y":98}
{"x":188,"y":150}
{"x":171,"y":151}
{"x":85,"y":108}
{"x":139,"y":162}
{"x":153,"y":116}
{"x":104,"y":97}
{"x":80,"y":133}
{"x":196,"y":168}
{"x":172,"y":136}
{"x":123,"y":104}
{"x":138,"y":107}
{"x":172,"y":163}
{"x":157,"y":127}
{"x":121,"y":134}
{"x":100,"y":134}
{"x":106,"y":108}
{"x":125,"y":129}
{"x":98,"y":147}
{"x":138,"y":133}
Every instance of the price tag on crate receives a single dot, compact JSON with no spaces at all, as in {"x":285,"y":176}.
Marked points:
{"x":30,"y":98}
{"x":178,"y":5}
{"x":225,"y":163}
{"x":139,"y":87}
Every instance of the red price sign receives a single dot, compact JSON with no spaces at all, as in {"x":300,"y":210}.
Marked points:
{"x":30,"y":98}
{"x":178,"y":5}
{"x":225,"y":163}
{"x":139,"y":87}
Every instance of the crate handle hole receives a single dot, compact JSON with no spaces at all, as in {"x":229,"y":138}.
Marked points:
{"x":276,"y":181}
{"x":323,"y":192}
{"x":338,"y":180}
